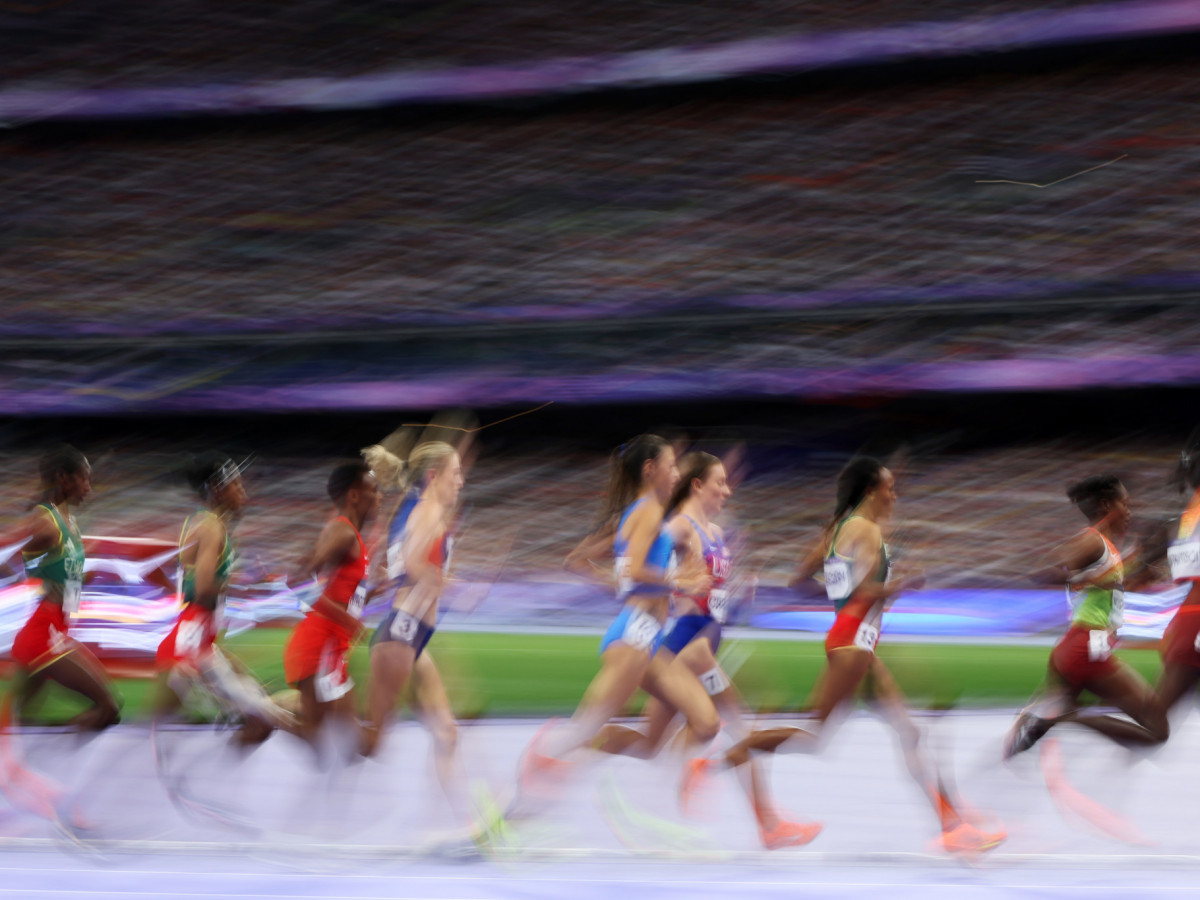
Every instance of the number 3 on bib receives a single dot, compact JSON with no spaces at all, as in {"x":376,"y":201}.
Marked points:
{"x":866,"y":637}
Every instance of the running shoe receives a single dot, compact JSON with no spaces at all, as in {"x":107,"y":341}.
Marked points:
{"x":695,"y":775}
{"x":538,"y":768}
{"x":788,"y":834}
{"x":966,"y":838}
{"x":1026,"y":731}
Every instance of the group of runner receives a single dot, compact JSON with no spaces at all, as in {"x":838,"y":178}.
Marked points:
{"x":671,"y":570}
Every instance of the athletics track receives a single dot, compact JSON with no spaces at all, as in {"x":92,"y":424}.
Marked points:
{"x":276,"y":827}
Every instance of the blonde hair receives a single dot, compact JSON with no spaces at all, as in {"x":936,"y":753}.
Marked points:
{"x":426,"y":458}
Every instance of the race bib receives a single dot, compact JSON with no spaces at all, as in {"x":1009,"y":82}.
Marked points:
{"x":718,"y":604}
{"x":71,"y":591}
{"x":189,"y":637}
{"x":623,"y":570}
{"x":331,"y":682}
{"x":866,"y":637}
{"x":837,"y":579}
{"x":1116,"y":618}
{"x":404,"y":628}
{"x":1099,"y":648}
{"x":357,"y":602}
{"x":715,"y":682}
{"x":1184,"y":558}
{"x":641,"y":630}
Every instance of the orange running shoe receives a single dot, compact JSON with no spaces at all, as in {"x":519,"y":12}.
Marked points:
{"x":538,"y":767}
{"x":695,"y":776}
{"x":788,"y":834}
{"x":966,"y":838}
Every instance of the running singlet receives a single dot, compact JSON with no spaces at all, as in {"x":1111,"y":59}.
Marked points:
{"x":1096,"y":594}
{"x":660,"y":556}
{"x":346,"y":586}
{"x":439,"y":553}
{"x":855,"y":625}
{"x":197,"y":628}
{"x":1184,"y":552}
{"x":187,"y":574}
{"x":717,"y":558}
{"x":319,"y":647}
{"x":61,"y":565}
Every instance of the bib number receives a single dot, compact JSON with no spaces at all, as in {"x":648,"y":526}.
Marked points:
{"x":331,"y":682}
{"x":1116,"y":618}
{"x":358,"y":602}
{"x":1184,"y":558}
{"x":718,"y":605}
{"x":866,"y":637}
{"x":623,"y":570}
{"x":837,"y":579}
{"x":1099,"y":648}
{"x":404,"y":628}
{"x":641,"y":630}
{"x":189,"y":637}
{"x":71,"y":592}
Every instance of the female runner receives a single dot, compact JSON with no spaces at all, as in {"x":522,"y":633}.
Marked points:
{"x":1181,"y":641}
{"x":1090,"y":565}
{"x":695,"y":636}
{"x":53,"y":552}
{"x":858,"y":581}
{"x":418,"y":557}
{"x":189,"y":654}
{"x":315,"y":660}
{"x":644,"y":475}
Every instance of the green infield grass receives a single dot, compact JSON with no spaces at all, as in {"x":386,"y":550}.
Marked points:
{"x":492,"y":674}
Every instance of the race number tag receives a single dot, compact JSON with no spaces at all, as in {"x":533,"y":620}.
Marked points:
{"x":71,"y":592}
{"x":189,"y":637}
{"x":623,"y":570}
{"x":331,"y":682}
{"x":1184,"y":557}
{"x":404,"y":628}
{"x":718,"y":605}
{"x":1098,"y":647}
{"x":866,"y":637}
{"x":1116,"y":618}
{"x":641,"y":630}
{"x":357,"y":602}
{"x":837,"y":579}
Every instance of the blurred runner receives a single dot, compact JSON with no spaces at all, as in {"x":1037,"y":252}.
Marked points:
{"x":860,"y":583}
{"x":690,"y":645}
{"x":1090,"y":565}
{"x":316,"y":656}
{"x":189,"y":656}
{"x":53,"y":552}
{"x":643,"y":478}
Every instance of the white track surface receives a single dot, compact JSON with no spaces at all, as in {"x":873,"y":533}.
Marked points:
{"x":379,"y":828}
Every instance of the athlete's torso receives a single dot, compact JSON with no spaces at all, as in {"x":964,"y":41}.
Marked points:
{"x":60,"y":568}
{"x":718,"y":561}
{"x":346,"y":585}
{"x":658,"y":557}
{"x":1097,"y":593}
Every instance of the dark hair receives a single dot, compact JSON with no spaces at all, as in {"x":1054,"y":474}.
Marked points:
{"x":628,"y":460}
{"x":345,"y":477}
{"x":857,"y":478}
{"x":209,"y":470}
{"x":1187,"y":471}
{"x":696,"y":464}
{"x":61,"y":459}
{"x":1092,"y":494}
